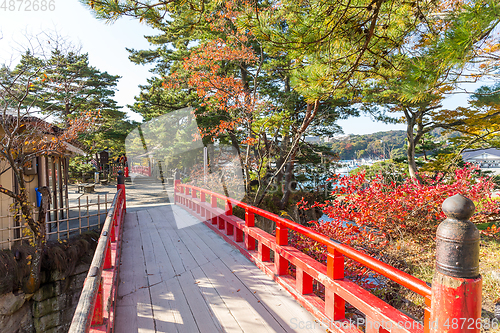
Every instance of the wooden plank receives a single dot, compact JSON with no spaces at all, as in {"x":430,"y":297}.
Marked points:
{"x":214,"y":242}
{"x":199,"y":250}
{"x":244,"y":306}
{"x":152,"y":270}
{"x":183,"y":219}
{"x":179,"y":254}
{"x":182,"y":251}
{"x":163,"y":309}
{"x":217,"y":305}
{"x":163,"y":218}
{"x":199,"y":299}
{"x":136,"y":315}
{"x":132,"y":271}
{"x":205,"y":319}
{"x":162,"y":258}
{"x":273,"y":296}
{"x":133,"y":308}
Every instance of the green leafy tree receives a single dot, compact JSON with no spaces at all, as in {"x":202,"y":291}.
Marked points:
{"x":242,"y":94}
{"x":24,"y":136}
{"x":68,"y":87}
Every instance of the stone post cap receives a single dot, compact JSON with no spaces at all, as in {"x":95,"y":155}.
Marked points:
{"x":458,"y":207}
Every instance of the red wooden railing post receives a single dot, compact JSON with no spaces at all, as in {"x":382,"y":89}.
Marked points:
{"x":113,"y":231}
{"x":121,"y":186}
{"x":184,"y":200}
{"x":280,"y":263}
{"x":229,"y":211}
{"x":193,"y":195}
{"x":334,"y":304}
{"x":264,"y":252}
{"x":229,"y":208}
{"x":98,"y":315}
{"x":202,"y":208}
{"x":427,"y":314}
{"x":249,"y":222}
{"x":456,"y":287}
{"x":176,"y":189}
{"x":213,"y":200}
{"x":304,"y":282}
{"x":107,"y":257}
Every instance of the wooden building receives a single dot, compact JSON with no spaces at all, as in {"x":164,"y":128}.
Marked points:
{"x":487,"y":159}
{"x":46,"y":170}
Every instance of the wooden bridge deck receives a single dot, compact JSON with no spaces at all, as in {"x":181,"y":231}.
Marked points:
{"x":190,"y":280}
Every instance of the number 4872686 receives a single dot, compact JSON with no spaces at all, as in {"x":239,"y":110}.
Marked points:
{"x":27,"y":5}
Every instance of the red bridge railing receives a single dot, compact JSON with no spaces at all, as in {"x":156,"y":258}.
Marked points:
{"x":142,"y":170}
{"x":95,"y":311}
{"x":380,"y":316}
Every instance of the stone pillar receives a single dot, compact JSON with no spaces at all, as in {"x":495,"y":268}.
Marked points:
{"x":456,"y":287}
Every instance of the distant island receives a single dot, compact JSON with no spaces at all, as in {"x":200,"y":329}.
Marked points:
{"x":380,"y":145}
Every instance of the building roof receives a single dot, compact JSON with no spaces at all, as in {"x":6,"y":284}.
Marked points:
{"x":10,"y":115}
{"x":472,"y":153}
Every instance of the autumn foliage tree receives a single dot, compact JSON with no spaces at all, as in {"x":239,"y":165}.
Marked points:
{"x":206,"y":57}
{"x":24,"y":135}
{"x":263,"y":75}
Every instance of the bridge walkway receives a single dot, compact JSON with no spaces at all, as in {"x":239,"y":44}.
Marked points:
{"x":190,"y":280}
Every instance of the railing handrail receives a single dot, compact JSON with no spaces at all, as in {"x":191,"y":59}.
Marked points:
{"x":392,"y":273}
{"x":84,"y":311}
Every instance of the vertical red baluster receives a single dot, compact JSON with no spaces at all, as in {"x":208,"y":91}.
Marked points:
{"x":229,"y":208}
{"x":107,"y":256}
{"x":280,"y":263}
{"x":334,"y":304}
{"x":222,"y":223}
{"x":427,"y":315}
{"x":249,"y":222}
{"x":229,"y":211}
{"x":264,"y":252}
{"x":229,"y":229}
{"x":176,"y":189}
{"x":238,"y":235}
{"x":304,"y":282}
{"x":98,"y":315}
{"x":193,"y":195}
{"x":183,"y":199}
{"x":214,"y":206}
{"x":112,"y":236}
{"x":189,"y":192}
{"x":121,"y":186}
{"x":202,"y":208}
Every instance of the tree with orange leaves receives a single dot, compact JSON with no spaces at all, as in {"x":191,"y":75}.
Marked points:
{"x":243,"y":95}
{"x":24,"y":135}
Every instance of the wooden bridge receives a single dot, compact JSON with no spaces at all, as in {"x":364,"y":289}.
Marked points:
{"x":161,"y":270}
{"x":190,"y":280}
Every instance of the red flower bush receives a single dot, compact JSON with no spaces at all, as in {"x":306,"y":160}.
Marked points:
{"x":370,"y":215}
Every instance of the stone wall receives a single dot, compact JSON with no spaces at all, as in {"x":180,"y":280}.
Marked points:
{"x":49,"y":310}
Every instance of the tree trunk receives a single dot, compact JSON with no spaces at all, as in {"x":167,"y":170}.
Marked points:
{"x":244,"y":167}
{"x":413,"y":119}
{"x":281,"y":159}
{"x":288,"y":179}
{"x":412,"y":165}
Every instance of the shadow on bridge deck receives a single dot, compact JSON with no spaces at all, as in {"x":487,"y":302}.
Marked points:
{"x":190,"y":280}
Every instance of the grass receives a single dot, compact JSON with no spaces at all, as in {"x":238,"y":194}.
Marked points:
{"x":421,"y":261}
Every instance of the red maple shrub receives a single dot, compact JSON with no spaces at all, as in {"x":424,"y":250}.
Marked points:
{"x":373,"y":215}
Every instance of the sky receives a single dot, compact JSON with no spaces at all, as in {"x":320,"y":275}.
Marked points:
{"x":106,"y":43}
